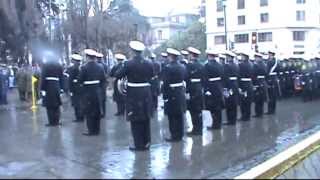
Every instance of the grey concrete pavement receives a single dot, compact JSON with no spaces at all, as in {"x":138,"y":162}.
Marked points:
{"x":28,"y":149}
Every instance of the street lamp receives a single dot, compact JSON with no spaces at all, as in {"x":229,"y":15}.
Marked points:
{"x":224,"y":3}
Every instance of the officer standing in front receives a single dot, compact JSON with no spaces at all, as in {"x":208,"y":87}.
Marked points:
{"x":231,"y":88}
{"x":174,"y":95}
{"x":118,"y":97}
{"x":245,"y":86}
{"x":195,"y":81}
{"x":51,"y":87}
{"x":213,"y":88}
{"x":272,"y":81}
{"x":139,"y":73}
{"x":185,"y":57}
{"x":92,"y":78}
{"x":75,"y":88}
{"x":259,"y":84}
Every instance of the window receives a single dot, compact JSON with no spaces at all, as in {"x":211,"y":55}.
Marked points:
{"x":219,"y":5}
{"x":300,"y":15}
{"x":299,"y":35}
{"x":219,"y":39}
{"x":241,"y":20}
{"x":264,"y":3}
{"x":241,"y":38}
{"x":265,"y":37}
{"x":264,"y":17}
{"x":220,"y":22}
{"x":301,"y":1}
{"x":160,"y":34}
{"x":241,"y":4}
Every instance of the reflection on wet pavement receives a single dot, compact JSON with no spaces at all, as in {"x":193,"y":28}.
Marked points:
{"x":30,"y":150}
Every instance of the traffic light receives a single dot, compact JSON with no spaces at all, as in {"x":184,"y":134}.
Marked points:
{"x":254,"y":37}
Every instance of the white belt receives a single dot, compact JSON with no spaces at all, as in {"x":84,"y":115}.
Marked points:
{"x":176,"y":85}
{"x":66,"y":74}
{"x":287,"y":72}
{"x":282,"y":73}
{"x":52,"y":79}
{"x":91,"y":82}
{"x":246,"y":79}
{"x":215,"y":79}
{"x":233,"y":78}
{"x":318,"y":71}
{"x":261,"y":77}
{"x":272,"y":74}
{"x":139,"y":84}
{"x":292,"y":71}
{"x":75,"y":80}
{"x":195,"y":80}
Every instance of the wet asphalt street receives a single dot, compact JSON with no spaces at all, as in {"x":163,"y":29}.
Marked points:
{"x":28,"y":149}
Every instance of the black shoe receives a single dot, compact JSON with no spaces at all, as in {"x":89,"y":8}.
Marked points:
{"x":77,"y":121}
{"x":133,"y":148}
{"x":172,"y":139}
{"x":257,"y":116}
{"x":194,"y":133}
{"x":90,"y":134}
{"x":49,"y":125}
{"x":270,"y":113}
{"x":118,"y":114}
{"x":229,"y":124}
{"x":213,"y":128}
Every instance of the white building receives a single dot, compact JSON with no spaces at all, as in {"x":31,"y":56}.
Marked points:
{"x":291,"y":27}
{"x":164,"y":28}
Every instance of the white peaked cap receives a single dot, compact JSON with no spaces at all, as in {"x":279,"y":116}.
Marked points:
{"x":230,"y":53}
{"x":258,"y":54}
{"x":137,"y":45}
{"x":222,"y":56}
{"x":90,"y":52}
{"x":194,"y":50}
{"x":76,"y":57}
{"x":99,"y":55}
{"x":173,"y":51}
{"x":212,"y":52}
{"x":184,"y":52}
{"x":153,"y":55}
{"x":164,"y":54}
{"x":120,"y":56}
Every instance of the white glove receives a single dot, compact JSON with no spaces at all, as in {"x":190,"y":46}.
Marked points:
{"x":208,"y":93}
{"x":71,"y":94}
{"x":43,"y":93}
{"x":188,"y":96}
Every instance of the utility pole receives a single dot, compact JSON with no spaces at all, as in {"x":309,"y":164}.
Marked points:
{"x":225,"y":22}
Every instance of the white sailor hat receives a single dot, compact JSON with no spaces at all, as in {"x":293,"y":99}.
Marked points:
{"x":137,"y":45}
{"x":272,"y":51}
{"x":184,"y":52}
{"x":76,"y":57}
{"x":120,"y":56}
{"x":153,"y":55}
{"x":99,"y":55}
{"x":90,"y":52}
{"x":230,"y":53}
{"x":164,"y":54}
{"x":194,"y":50}
{"x":222,"y":56}
{"x":258,"y":54}
{"x":212,"y":52}
{"x":243,"y":53}
{"x":173,"y":51}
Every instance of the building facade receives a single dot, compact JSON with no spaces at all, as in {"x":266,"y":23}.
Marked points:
{"x":164,"y":28}
{"x":290,"y":27}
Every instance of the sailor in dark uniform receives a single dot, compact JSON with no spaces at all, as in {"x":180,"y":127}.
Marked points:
{"x":92,"y":78}
{"x":75,"y":87}
{"x":245,"y":86}
{"x":259,"y":84}
{"x":272,"y":81}
{"x":174,"y":95}
{"x":185,"y":57}
{"x":231,"y":88}
{"x":213,"y":88}
{"x":139,"y":73}
{"x":195,"y":81}
{"x":104,"y":89}
{"x":51,"y":88}
{"x":118,"y":97}
{"x":155,"y":83}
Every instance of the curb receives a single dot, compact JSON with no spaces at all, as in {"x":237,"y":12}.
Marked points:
{"x":279,"y":164}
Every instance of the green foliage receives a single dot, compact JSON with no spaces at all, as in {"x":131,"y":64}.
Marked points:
{"x":194,"y":36}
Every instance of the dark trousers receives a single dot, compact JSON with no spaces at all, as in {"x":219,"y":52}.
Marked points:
{"x":216,"y":115}
{"x":120,"y":107}
{"x":231,"y":112}
{"x":272,"y":104}
{"x":197,"y":122}
{"x":93,"y":121}
{"x":245,"y":107}
{"x":259,"y":108}
{"x":176,"y":126}
{"x":141,"y":133}
{"x":104,"y":108}
{"x":53,"y":115}
{"x":155,"y":102}
{"x":78,"y":111}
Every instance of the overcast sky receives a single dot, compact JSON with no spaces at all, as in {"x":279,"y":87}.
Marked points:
{"x":162,"y":7}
